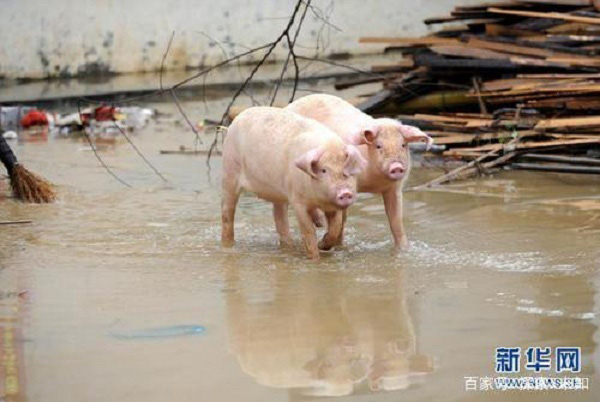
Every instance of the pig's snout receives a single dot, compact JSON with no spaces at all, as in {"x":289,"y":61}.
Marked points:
{"x":345,"y":198}
{"x":396,"y":171}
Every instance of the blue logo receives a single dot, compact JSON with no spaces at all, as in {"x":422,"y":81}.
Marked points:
{"x":508,"y":360}
{"x":568,"y":359}
{"x":538,"y":359}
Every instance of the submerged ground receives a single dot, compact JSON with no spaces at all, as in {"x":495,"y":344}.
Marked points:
{"x":124,"y":294}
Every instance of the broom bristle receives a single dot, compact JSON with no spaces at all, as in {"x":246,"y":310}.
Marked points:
{"x":29,"y":187}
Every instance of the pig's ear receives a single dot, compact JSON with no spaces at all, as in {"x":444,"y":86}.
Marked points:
{"x":308,"y":161}
{"x":414,"y":134}
{"x":366,"y":136}
{"x":355,"y":163}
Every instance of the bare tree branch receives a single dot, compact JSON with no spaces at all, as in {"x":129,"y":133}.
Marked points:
{"x":285,"y":37}
{"x":136,"y":149}
{"x":104,"y":165}
{"x":162,"y":63}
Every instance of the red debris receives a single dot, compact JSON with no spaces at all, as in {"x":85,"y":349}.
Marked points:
{"x":104,"y":113}
{"x":34,"y":118}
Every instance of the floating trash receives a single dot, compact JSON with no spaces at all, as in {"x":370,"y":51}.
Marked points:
{"x":161,"y":332}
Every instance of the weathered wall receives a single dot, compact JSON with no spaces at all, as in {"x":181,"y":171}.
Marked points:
{"x":41,"y":38}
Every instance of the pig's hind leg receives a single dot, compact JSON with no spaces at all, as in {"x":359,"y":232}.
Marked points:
{"x":280,"y":213}
{"x":229,"y":199}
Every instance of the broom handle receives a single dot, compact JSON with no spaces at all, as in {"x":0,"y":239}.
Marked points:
{"x":7,"y":157}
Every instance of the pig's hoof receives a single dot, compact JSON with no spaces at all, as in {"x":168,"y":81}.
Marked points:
{"x":326,"y":245}
{"x":286,"y":242}
{"x":403,"y":245}
{"x":227,"y":242}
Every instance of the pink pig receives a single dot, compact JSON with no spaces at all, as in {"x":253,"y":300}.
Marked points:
{"x":384,"y":144}
{"x":287,"y":159}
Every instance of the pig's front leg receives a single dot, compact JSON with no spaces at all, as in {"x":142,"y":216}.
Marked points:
{"x":344,"y":217}
{"x":280,"y":213}
{"x":335,"y":226}
{"x":317,"y":217}
{"x":307,"y":229}
{"x":392,"y":200}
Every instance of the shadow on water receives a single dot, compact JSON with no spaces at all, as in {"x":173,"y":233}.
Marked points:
{"x":323,"y":333}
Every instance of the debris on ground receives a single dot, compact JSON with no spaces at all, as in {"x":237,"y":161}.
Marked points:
{"x":517,"y":85}
{"x":161,"y":332}
{"x":103,"y":123}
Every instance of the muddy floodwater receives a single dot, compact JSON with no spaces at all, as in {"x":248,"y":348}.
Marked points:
{"x":125,"y":294}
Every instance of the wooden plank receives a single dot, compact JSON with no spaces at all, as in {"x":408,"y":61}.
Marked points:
{"x":455,"y":121}
{"x":557,"y":168}
{"x":575,"y":61}
{"x":465,"y":51}
{"x":568,"y":122}
{"x":532,"y":84}
{"x":503,"y":30}
{"x":375,"y":101}
{"x":555,"y":76}
{"x":509,"y":83}
{"x":521,"y":50}
{"x":399,"y":66}
{"x":562,"y":159}
{"x":346,"y":83}
{"x":525,"y":145}
{"x":583,"y":88}
{"x":474,"y":138}
{"x":572,"y":136}
{"x":521,"y":98}
{"x":572,"y":38}
{"x":571,"y":28}
{"x":560,"y":2}
{"x":572,"y":103}
{"x":552,"y":15}
{"x":424,"y":41}
{"x":441,"y":62}
{"x":434,"y":117}
{"x":583,"y":104}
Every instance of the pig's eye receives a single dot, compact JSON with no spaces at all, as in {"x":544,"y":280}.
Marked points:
{"x":404,"y":145}
{"x":378,"y":146}
{"x":323,"y":171}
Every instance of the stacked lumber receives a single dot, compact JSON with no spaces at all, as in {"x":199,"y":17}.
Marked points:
{"x":515,"y":77}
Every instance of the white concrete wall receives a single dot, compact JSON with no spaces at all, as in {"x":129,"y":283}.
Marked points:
{"x":40,"y":38}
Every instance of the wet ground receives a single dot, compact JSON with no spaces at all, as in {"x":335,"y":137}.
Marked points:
{"x":124,"y":294}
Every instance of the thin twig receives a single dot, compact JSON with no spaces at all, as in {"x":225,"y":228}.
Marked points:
{"x":14,"y":222}
{"x":162,"y":63}
{"x":136,"y":149}
{"x":194,"y":129}
{"x":284,"y":37}
{"x":270,"y":47}
{"x":291,"y":54}
{"x":87,"y":136}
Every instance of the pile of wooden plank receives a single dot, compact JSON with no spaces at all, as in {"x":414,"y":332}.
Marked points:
{"x":517,"y":78}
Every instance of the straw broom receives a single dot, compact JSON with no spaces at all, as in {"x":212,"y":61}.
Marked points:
{"x":26,"y":186}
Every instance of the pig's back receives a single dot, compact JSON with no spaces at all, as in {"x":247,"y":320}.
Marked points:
{"x":334,"y":112}
{"x":266,"y":141}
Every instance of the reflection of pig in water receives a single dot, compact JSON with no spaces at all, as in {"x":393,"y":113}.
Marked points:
{"x":383,"y":143}
{"x":287,"y":159}
{"x":327,"y":334}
